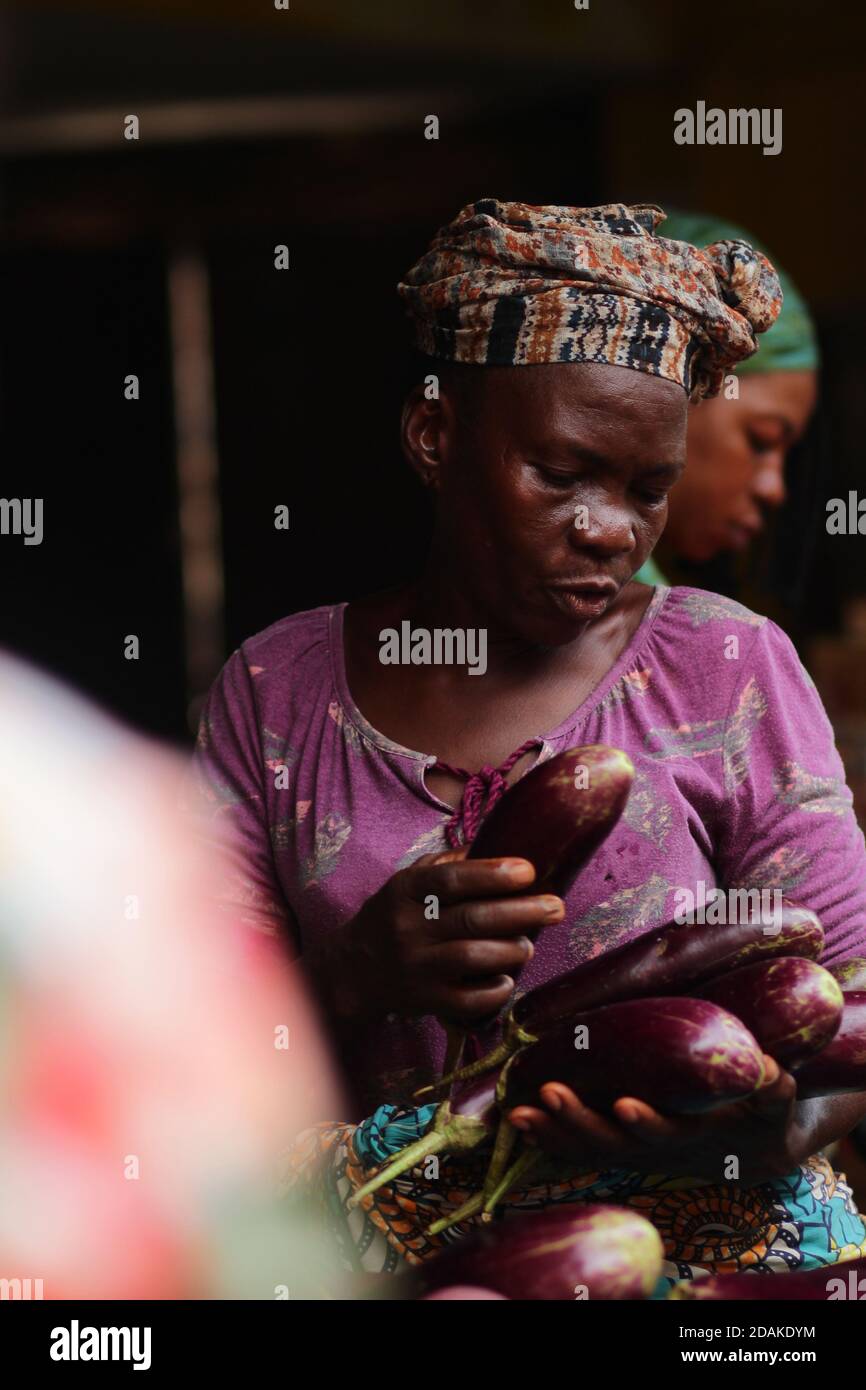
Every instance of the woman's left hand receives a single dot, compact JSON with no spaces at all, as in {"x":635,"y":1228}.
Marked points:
{"x":760,"y":1132}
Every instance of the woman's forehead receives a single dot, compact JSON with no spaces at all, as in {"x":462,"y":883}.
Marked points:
{"x":582,"y":391}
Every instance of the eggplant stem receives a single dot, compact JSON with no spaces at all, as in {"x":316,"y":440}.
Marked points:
{"x":500,"y":1053}
{"x":477,"y":1202}
{"x":518,"y":1169}
{"x":461,"y":1213}
{"x":506,"y":1134}
{"x":430,"y":1143}
{"x":459,"y":1133}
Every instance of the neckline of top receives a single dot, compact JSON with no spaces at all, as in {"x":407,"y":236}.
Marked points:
{"x":336,"y":613}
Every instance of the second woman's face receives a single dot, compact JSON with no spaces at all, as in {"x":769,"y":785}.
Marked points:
{"x":736,"y":462}
{"x":552,"y":494}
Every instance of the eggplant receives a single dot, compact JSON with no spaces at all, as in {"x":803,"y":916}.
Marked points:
{"x":459,"y":1125}
{"x":793,"y":1007}
{"x":668,"y":960}
{"x":671,"y":959}
{"x":553,"y":823}
{"x":844,"y":1280}
{"x":556,"y":1254}
{"x":841,"y":1065}
{"x":851,"y":974}
{"x":475,"y":1102}
{"x":681,"y":1056}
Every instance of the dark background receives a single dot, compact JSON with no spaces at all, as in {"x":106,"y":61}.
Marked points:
{"x":537,"y":102}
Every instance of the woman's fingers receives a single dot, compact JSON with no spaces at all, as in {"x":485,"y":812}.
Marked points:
{"x":459,"y":960}
{"x":569,"y":1110}
{"x":472,"y":1003}
{"x":566,"y":1121}
{"x":777,"y":1093}
{"x":452,"y":879}
{"x":499,"y":917}
{"x":640,"y":1120}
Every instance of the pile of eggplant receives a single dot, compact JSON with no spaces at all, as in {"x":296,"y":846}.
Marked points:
{"x":567,"y":1252}
{"x":680,"y":1017}
{"x":596,"y":1252}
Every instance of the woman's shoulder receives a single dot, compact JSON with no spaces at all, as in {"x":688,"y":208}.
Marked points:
{"x":289,"y":640}
{"x":289,"y":656}
{"x":700,"y":611}
{"x":707,"y":634}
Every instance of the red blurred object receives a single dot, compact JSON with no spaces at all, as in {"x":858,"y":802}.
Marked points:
{"x":463,"y":1293}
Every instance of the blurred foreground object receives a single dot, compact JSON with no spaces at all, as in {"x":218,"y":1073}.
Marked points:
{"x":156,"y":1060}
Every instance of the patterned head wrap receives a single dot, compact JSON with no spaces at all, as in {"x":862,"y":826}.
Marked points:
{"x":791,"y":344}
{"x":509,"y":284}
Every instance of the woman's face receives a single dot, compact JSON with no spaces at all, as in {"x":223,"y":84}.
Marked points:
{"x":535,"y":451}
{"x":736,"y":462}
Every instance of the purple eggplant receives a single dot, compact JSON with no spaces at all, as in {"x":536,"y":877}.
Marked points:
{"x":550,"y":818}
{"x":793,"y":1007}
{"x":851,"y":974}
{"x":681,"y":1056}
{"x":559,"y":1253}
{"x":841,"y":1065}
{"x":844,"y":1280}
{"x":555,"y":816}
{"x":669,"y":960}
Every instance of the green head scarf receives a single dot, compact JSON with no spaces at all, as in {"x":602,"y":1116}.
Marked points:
{"x":791,"y":344}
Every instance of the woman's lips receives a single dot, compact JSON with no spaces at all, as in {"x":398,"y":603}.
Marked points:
{"x":580,"y":601}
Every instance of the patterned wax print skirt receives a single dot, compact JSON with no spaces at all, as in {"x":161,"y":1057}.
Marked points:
{"x":803,"y":1221}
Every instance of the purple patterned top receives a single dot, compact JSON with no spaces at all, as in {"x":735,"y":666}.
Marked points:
{"x":738,"y":782}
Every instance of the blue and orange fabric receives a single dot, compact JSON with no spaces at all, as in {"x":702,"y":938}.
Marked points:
{"x":805,"y":1220}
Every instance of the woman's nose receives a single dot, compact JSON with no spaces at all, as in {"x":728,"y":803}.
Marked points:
{"x":602,"y":529}
{"x":768,"y":484}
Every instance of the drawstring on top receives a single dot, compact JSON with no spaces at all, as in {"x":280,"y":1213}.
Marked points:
{"x":482,"y":791}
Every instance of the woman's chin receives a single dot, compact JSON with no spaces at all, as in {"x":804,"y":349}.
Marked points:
{"x":566,"y":621}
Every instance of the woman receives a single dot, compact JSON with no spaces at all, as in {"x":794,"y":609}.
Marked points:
{"x":738,"y":442}
{"x":567,"y":343}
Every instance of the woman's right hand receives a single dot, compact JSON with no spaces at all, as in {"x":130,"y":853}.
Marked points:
{"x":446,"y":936}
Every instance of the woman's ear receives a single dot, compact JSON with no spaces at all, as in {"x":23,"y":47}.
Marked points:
{"x":420,"y":430}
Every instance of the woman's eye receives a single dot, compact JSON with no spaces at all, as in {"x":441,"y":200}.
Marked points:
{"x":760,"y":444}
{"x":653,"y":499}
{"x":562,"y":480}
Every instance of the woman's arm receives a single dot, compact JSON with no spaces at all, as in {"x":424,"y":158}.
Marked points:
{"x":226,"y":795}
{"x":784,"y":818}
{"x":754,"y":1141}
